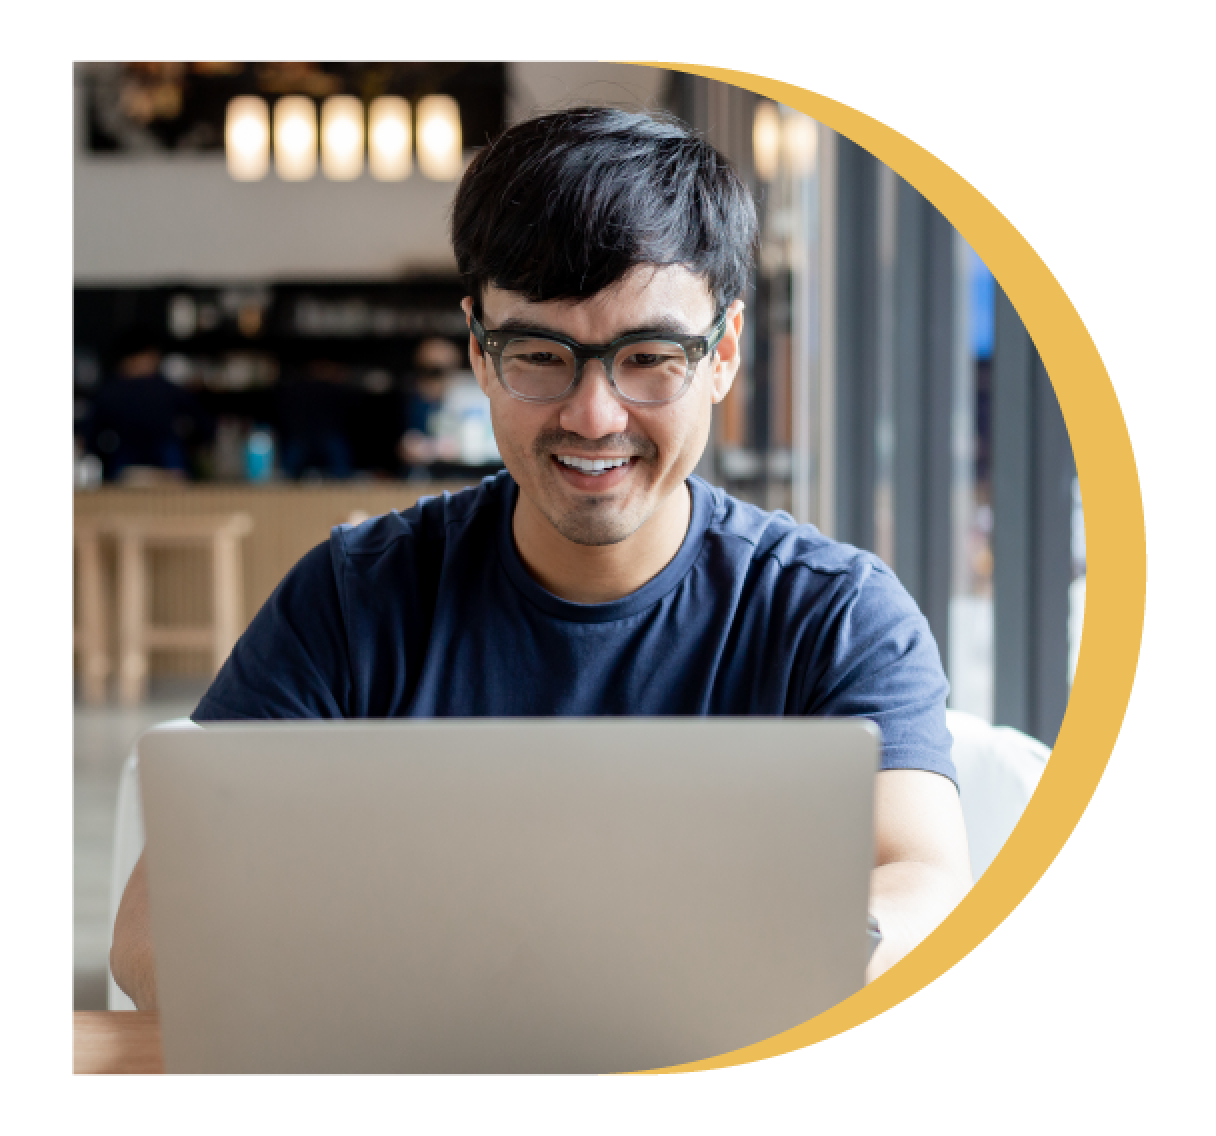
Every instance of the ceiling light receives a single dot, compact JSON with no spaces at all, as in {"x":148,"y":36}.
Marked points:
{"x":439,"y":142}
{"x":389,"y":142}
{"x":295,"y":138}
{"x":342,"y":137}
{"x":766,"y":140}
{"x":247,"y":138}
{"x":799,"y":143}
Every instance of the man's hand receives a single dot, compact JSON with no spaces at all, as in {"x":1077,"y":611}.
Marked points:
{"x":131,"y":959}
{"x":922,"y":868}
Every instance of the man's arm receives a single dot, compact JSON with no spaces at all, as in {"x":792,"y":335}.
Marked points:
{"x":922,"y":867}
{"x":131,"y":960}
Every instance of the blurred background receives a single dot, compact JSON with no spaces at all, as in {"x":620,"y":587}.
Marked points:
{"x":268,"y":342}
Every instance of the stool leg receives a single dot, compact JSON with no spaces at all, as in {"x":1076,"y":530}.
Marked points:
{"x":95,"y":664}
{"x":226,"y":599}
{"x":132,"y":606}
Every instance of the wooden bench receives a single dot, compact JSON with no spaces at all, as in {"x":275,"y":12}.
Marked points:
{"x":137,"y":635}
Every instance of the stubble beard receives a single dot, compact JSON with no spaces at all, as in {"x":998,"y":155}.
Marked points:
{"x":594,"y":521}
{"x":588,"y":525}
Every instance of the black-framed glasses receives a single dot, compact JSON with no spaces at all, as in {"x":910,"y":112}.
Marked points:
{"x":644,"y":369}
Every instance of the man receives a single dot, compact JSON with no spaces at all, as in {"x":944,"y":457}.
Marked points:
{"x":605,"y":255}
{"x":435,"y":360}
{"x":314,"y":410}
{"x":140,"y":420}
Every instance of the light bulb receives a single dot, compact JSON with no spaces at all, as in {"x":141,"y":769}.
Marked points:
{"x":247,"y":138}
{"x":439,"y":141}
{"x":766,"y":140}
{"x":389,"y":138}
{"x":799,"y":143}
{"x":295,"y":138}
{"x":342,"y":137}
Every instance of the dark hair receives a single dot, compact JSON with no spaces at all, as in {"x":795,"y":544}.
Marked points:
{"x":562,"y":206}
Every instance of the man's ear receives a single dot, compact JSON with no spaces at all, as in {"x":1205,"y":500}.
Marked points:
{"x":477,"y":357}
{"x":728,"y":354}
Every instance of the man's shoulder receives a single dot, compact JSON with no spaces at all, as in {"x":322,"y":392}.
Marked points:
{"x":774,"y":535}
{"x":429,"y":523}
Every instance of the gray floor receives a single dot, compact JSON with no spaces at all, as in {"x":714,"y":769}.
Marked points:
{"x":103,"y":736}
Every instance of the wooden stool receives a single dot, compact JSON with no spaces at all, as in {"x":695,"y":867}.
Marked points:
{"x":90,"y":635}
{"x":136,"y":635}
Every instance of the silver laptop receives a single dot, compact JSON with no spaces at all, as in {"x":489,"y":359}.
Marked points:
{"x":502,"y":896}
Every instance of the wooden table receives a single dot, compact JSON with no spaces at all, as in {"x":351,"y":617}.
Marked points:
{"x":116,"y":1043}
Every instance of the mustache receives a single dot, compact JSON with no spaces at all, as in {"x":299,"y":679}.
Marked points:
{"x":554,"y":441}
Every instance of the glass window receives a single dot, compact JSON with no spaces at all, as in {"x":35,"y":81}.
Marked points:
{"x":971,"y":611}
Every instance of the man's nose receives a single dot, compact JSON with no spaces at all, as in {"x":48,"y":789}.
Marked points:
{"x":593,"y":410}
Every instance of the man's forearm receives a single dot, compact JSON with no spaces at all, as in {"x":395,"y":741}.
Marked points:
{"x":909,"y":900}
{"x":132,"y":961}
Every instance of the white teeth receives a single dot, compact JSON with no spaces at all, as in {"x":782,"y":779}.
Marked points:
{"x":591,"y":465}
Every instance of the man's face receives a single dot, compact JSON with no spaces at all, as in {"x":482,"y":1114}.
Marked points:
{"x":660,"y":445}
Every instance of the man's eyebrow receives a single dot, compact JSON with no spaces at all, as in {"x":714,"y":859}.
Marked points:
{"x":660,"y":328}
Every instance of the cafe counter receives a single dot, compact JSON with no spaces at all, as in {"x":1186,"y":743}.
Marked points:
{"x":288,"y":520}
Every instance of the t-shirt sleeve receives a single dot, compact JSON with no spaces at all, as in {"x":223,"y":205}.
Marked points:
{"x":878,"y":660}
{"x":293,"y":660}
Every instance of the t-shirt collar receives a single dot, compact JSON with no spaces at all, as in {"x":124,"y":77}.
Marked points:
{"x":647,"y":595}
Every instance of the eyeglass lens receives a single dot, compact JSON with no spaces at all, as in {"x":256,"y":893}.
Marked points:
{"x":654,"y":371}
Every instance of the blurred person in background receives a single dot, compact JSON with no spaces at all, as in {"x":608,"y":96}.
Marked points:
{"x":314,"y":412}
{"x":140,"y":420}
{"x":421,"y":446}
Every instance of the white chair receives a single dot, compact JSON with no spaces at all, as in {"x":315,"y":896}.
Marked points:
{"x":128,"y":844}
{"x":998,"y":770}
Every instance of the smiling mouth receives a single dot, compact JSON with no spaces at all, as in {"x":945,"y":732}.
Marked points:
{"x":594,"y":467}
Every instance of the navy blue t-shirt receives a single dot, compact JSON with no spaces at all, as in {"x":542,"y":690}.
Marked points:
{"x":431,"y":613}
